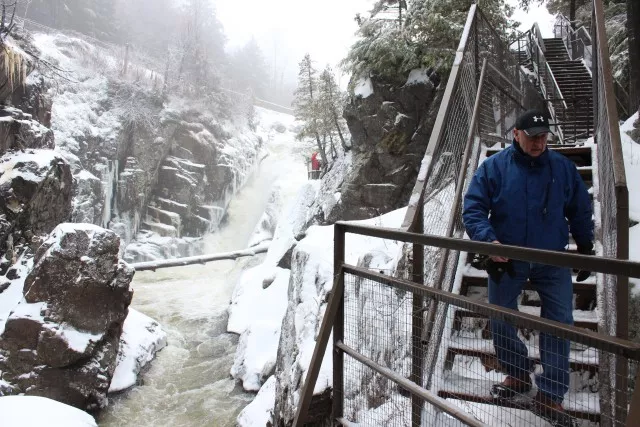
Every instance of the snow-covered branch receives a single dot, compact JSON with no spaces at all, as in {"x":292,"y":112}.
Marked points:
{"x":202,"y":259}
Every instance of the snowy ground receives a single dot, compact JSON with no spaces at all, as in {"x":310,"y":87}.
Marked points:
{"x":631,"y":152}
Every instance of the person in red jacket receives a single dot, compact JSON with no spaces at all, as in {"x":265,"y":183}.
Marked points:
{"x":315,"y":166}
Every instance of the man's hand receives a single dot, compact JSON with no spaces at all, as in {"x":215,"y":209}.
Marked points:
{"x":499,"y":258}
{"x":584,"y":249}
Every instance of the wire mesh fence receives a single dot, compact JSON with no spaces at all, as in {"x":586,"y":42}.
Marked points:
{"x":557,"y":372}
{"x":509,"y":92}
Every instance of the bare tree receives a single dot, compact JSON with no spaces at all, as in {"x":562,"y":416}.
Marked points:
{"x":7,"y":20}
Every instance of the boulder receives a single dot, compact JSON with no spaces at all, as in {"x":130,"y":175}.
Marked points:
{"x":61,"y":341}
{"x":390,"y":130}
{"x":35,"y":193}
{"x":19,"y":131}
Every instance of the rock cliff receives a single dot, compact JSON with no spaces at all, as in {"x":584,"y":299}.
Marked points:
{"x":158,"y":170}
{"x":390,"y":128}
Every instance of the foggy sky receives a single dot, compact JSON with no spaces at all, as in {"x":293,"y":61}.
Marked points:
{"x":287,"y":29}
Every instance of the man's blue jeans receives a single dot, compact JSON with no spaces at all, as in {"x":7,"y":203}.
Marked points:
{"x":554,"y":285}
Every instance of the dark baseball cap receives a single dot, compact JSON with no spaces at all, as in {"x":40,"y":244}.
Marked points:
{"x":533,"y":123}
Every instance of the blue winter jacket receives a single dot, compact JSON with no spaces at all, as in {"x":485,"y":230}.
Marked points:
{"x":525,"y":201}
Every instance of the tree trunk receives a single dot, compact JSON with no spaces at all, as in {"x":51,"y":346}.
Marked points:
{"x":337,"y":124}
{"x":334,"y":152}
{"x":572,"y":12}
{"x":633,"y":33}
{"x":321,"y":148}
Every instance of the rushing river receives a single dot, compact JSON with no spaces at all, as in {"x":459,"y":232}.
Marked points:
{"x":188,"y":384}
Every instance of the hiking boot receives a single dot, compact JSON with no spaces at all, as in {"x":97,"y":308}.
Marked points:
{"x":552,"y":411}
{"x":510,"y":387}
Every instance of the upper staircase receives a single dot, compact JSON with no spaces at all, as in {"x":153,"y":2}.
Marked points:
{"x":576,"y":88}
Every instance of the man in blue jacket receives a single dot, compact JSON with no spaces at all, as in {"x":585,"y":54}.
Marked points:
{"x":527,"y":195}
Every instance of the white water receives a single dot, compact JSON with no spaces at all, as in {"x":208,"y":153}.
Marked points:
{"x":188,"y":383}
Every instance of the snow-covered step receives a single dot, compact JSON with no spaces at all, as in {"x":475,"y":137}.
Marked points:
{"x":580,"y":359}
{"x":581,"y":405}
{"x":581,"y":318}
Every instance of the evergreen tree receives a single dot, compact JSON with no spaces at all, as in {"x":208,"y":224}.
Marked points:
{"x":95,"y":18}
{"x":330,"y":102}
{"x":427,"y":37}
{"x":248,"y":69}
{"x":306,"y":106}
{"x":150,"y":24}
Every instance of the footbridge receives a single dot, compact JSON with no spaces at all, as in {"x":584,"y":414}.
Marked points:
{"x":413,"y":346}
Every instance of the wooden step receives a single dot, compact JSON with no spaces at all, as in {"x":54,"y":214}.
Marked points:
{"x":587,"y":319}
{"x":571,"y":404}
{"x":489,"y":360}
{"x":585,"y":292}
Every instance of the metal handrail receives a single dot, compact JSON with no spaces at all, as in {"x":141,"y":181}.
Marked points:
{"x":569,"y":35}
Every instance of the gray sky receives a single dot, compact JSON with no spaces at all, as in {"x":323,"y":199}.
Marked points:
{"x":287,"y":29}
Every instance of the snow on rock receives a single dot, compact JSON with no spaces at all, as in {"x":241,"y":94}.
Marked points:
{"x":419,"y":75}
{"x":31,"y":165}
{"x":259,"y":411}
{"x":363,"y":88}
{"x":142,"y":337}
{"x":311,"y":280}
{"x":631,"y":153}
{"x":259,"y":321}
{"x":34,"y":411}
{"x":11,"y":294}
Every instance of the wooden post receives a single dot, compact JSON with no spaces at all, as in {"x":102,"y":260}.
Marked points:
{"x":334,"y":307}
{"x":338,"y":325}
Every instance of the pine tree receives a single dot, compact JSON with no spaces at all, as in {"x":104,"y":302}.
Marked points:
{"x":426,"y":38}
{"x":306,"y":105}
{"x":330,"y":103}
{"x":248,"y":69}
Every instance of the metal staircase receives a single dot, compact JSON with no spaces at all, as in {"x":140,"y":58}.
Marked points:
{"x":576,"y":89}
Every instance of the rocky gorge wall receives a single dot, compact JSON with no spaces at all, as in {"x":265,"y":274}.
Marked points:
{"x":158,"y":170}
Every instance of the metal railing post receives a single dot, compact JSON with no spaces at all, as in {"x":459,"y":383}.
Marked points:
{"x":338,"y":325}
{"x":417,"y":322}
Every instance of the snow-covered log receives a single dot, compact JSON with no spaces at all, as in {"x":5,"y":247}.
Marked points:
{"x":203,"y":259}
